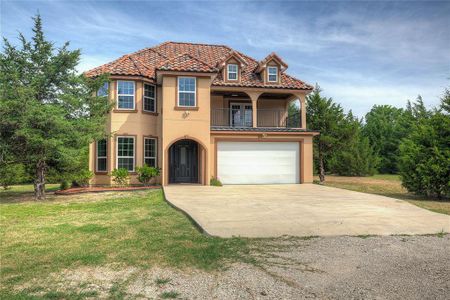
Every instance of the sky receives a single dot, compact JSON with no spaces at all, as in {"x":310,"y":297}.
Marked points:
{"x":361,"y":53}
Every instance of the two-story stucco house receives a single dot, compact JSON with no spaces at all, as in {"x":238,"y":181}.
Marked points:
{"x":199,"y":111}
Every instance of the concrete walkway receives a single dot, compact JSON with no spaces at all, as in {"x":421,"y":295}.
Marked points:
{"x":300,"y":210}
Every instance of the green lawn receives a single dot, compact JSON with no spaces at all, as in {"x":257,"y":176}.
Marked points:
{"x":386,"y":185}
{"x":22,"y":192}
{"x":128,"y":228}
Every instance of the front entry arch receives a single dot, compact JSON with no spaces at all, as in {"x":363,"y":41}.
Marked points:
{"x":184,"y":162}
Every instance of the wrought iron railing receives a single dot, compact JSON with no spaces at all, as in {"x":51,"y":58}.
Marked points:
{"x":227,"y":117}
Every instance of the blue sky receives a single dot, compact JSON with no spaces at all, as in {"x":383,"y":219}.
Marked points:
{"x":360,"y":53}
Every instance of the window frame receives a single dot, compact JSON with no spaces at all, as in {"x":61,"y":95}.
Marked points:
{"x":156,"y":151}
{"x":190,"y":92}
{"x":97,"y":157}
{"x":134,"y":151}
{"x":117,"y":95}
{"x":101,"y":88}
{"x":228,"y":72}
{"x":276,"y":74}
{"x":146,"y":97}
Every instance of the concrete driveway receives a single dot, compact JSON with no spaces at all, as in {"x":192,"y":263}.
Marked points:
{"x":300,"y":210}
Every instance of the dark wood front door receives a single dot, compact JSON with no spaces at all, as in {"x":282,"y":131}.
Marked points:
{"x":183,"y":162}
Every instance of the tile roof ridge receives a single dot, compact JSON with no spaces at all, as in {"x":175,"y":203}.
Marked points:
{"x":191,"y":43}
{"x":136,"y":64}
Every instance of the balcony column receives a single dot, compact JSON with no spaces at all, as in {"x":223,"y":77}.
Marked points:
{"x":254,"y":97}
{"x":302,"y":99}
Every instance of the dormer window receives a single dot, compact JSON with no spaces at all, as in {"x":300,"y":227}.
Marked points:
{"x":272,"y":74}
{"x":232,"y":71}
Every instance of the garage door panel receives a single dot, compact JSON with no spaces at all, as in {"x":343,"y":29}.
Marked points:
{"x":258,"y":163}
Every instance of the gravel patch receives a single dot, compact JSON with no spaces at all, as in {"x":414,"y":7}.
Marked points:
{"x":395,"y":267}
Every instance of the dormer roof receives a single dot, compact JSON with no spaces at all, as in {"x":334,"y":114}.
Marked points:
{"x":271,"y":57}
{"x":233,"y":54}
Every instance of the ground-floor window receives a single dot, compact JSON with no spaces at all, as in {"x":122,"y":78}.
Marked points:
{"x":125,"y":152}
{"x":101,"y":151}
{"x":150,"y":152}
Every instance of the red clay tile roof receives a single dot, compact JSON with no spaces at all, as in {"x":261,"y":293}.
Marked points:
{"x":191,"y":57}
{"x":185,"y":62}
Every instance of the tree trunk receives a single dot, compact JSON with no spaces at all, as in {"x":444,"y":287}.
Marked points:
{"x":321,"y":166}
{"x":39,"y":182}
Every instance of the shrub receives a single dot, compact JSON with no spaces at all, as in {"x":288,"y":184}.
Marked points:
{"x":146,"y":173}
{"x":82,"y":178}
{"x":215,"y":182}
{"x":120,"y":176}
{"x":64,"y":185}
{"x":425,"y":157}
{"x":11,"y":174}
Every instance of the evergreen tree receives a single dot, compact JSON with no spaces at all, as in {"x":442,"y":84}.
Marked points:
{"x":326,"y":116}
{"x":425,"y":153}
{"x":384,"y":129}
{"x":356,"y":157}
{"x":48,"y":112}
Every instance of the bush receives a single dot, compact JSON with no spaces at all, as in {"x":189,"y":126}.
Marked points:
{"x":146,"y":173}
{"x":64,"y":185}
{"x":82,"y":178}
{"x":11,"y":174}
{"x":121,"y":176}
{"x":215,"y":182}
{"x":425,"y":157}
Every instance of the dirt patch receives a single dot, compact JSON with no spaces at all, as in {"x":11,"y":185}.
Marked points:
{"x":95,"y":189}
{"x":397,"y":267}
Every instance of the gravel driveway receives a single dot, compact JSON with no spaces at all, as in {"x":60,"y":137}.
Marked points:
{"x":390,"y":267}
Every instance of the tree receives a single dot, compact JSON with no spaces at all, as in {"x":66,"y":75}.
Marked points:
{"x":425,"y":153}
{"x":384,"y":129}
{"x":356,"y":157}
{"x":326,"y":116}
{"x":48,"y":112}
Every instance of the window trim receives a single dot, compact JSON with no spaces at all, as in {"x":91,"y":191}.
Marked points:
{"x":117,"y":95}
{"x":134,"y":151}
{"x":268,"y":74}
{"x":156,"y":150}
{"x":191,"y":92}
{"x":97,"y":157}
{"x":237,"y":72}
{"x":143,"y":97}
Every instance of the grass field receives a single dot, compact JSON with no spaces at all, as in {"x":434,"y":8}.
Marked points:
{"x":126,"y":228}
{"x":19,"y":193}
{"x":386,"y":185}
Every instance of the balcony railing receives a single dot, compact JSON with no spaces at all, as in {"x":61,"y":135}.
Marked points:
{"x":227,"y":117}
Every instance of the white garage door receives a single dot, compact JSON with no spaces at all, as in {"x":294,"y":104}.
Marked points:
{"x":258,"y":163}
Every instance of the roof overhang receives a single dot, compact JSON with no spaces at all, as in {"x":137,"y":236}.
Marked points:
{"x":161,"y":73}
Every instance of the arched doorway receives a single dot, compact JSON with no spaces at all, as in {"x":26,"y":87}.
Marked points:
{"x":184,"y":162}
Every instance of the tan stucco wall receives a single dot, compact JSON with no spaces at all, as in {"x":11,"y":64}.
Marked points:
{"x":172,"y":123}
{"x":137,"y":124}
{"x":186,"y":124}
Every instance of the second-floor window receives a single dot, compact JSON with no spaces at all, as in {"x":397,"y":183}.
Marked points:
{"x":149,"y":98}
{"x":125,"y":152}
{"x":232,"y":71}
{"x":104,"y":90}
{"x":186,"y":91}
{"x":272,"y":74}
{"x":125,"y":94}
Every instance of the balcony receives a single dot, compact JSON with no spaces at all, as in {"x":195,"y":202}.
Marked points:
{"x":241,"y":116}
